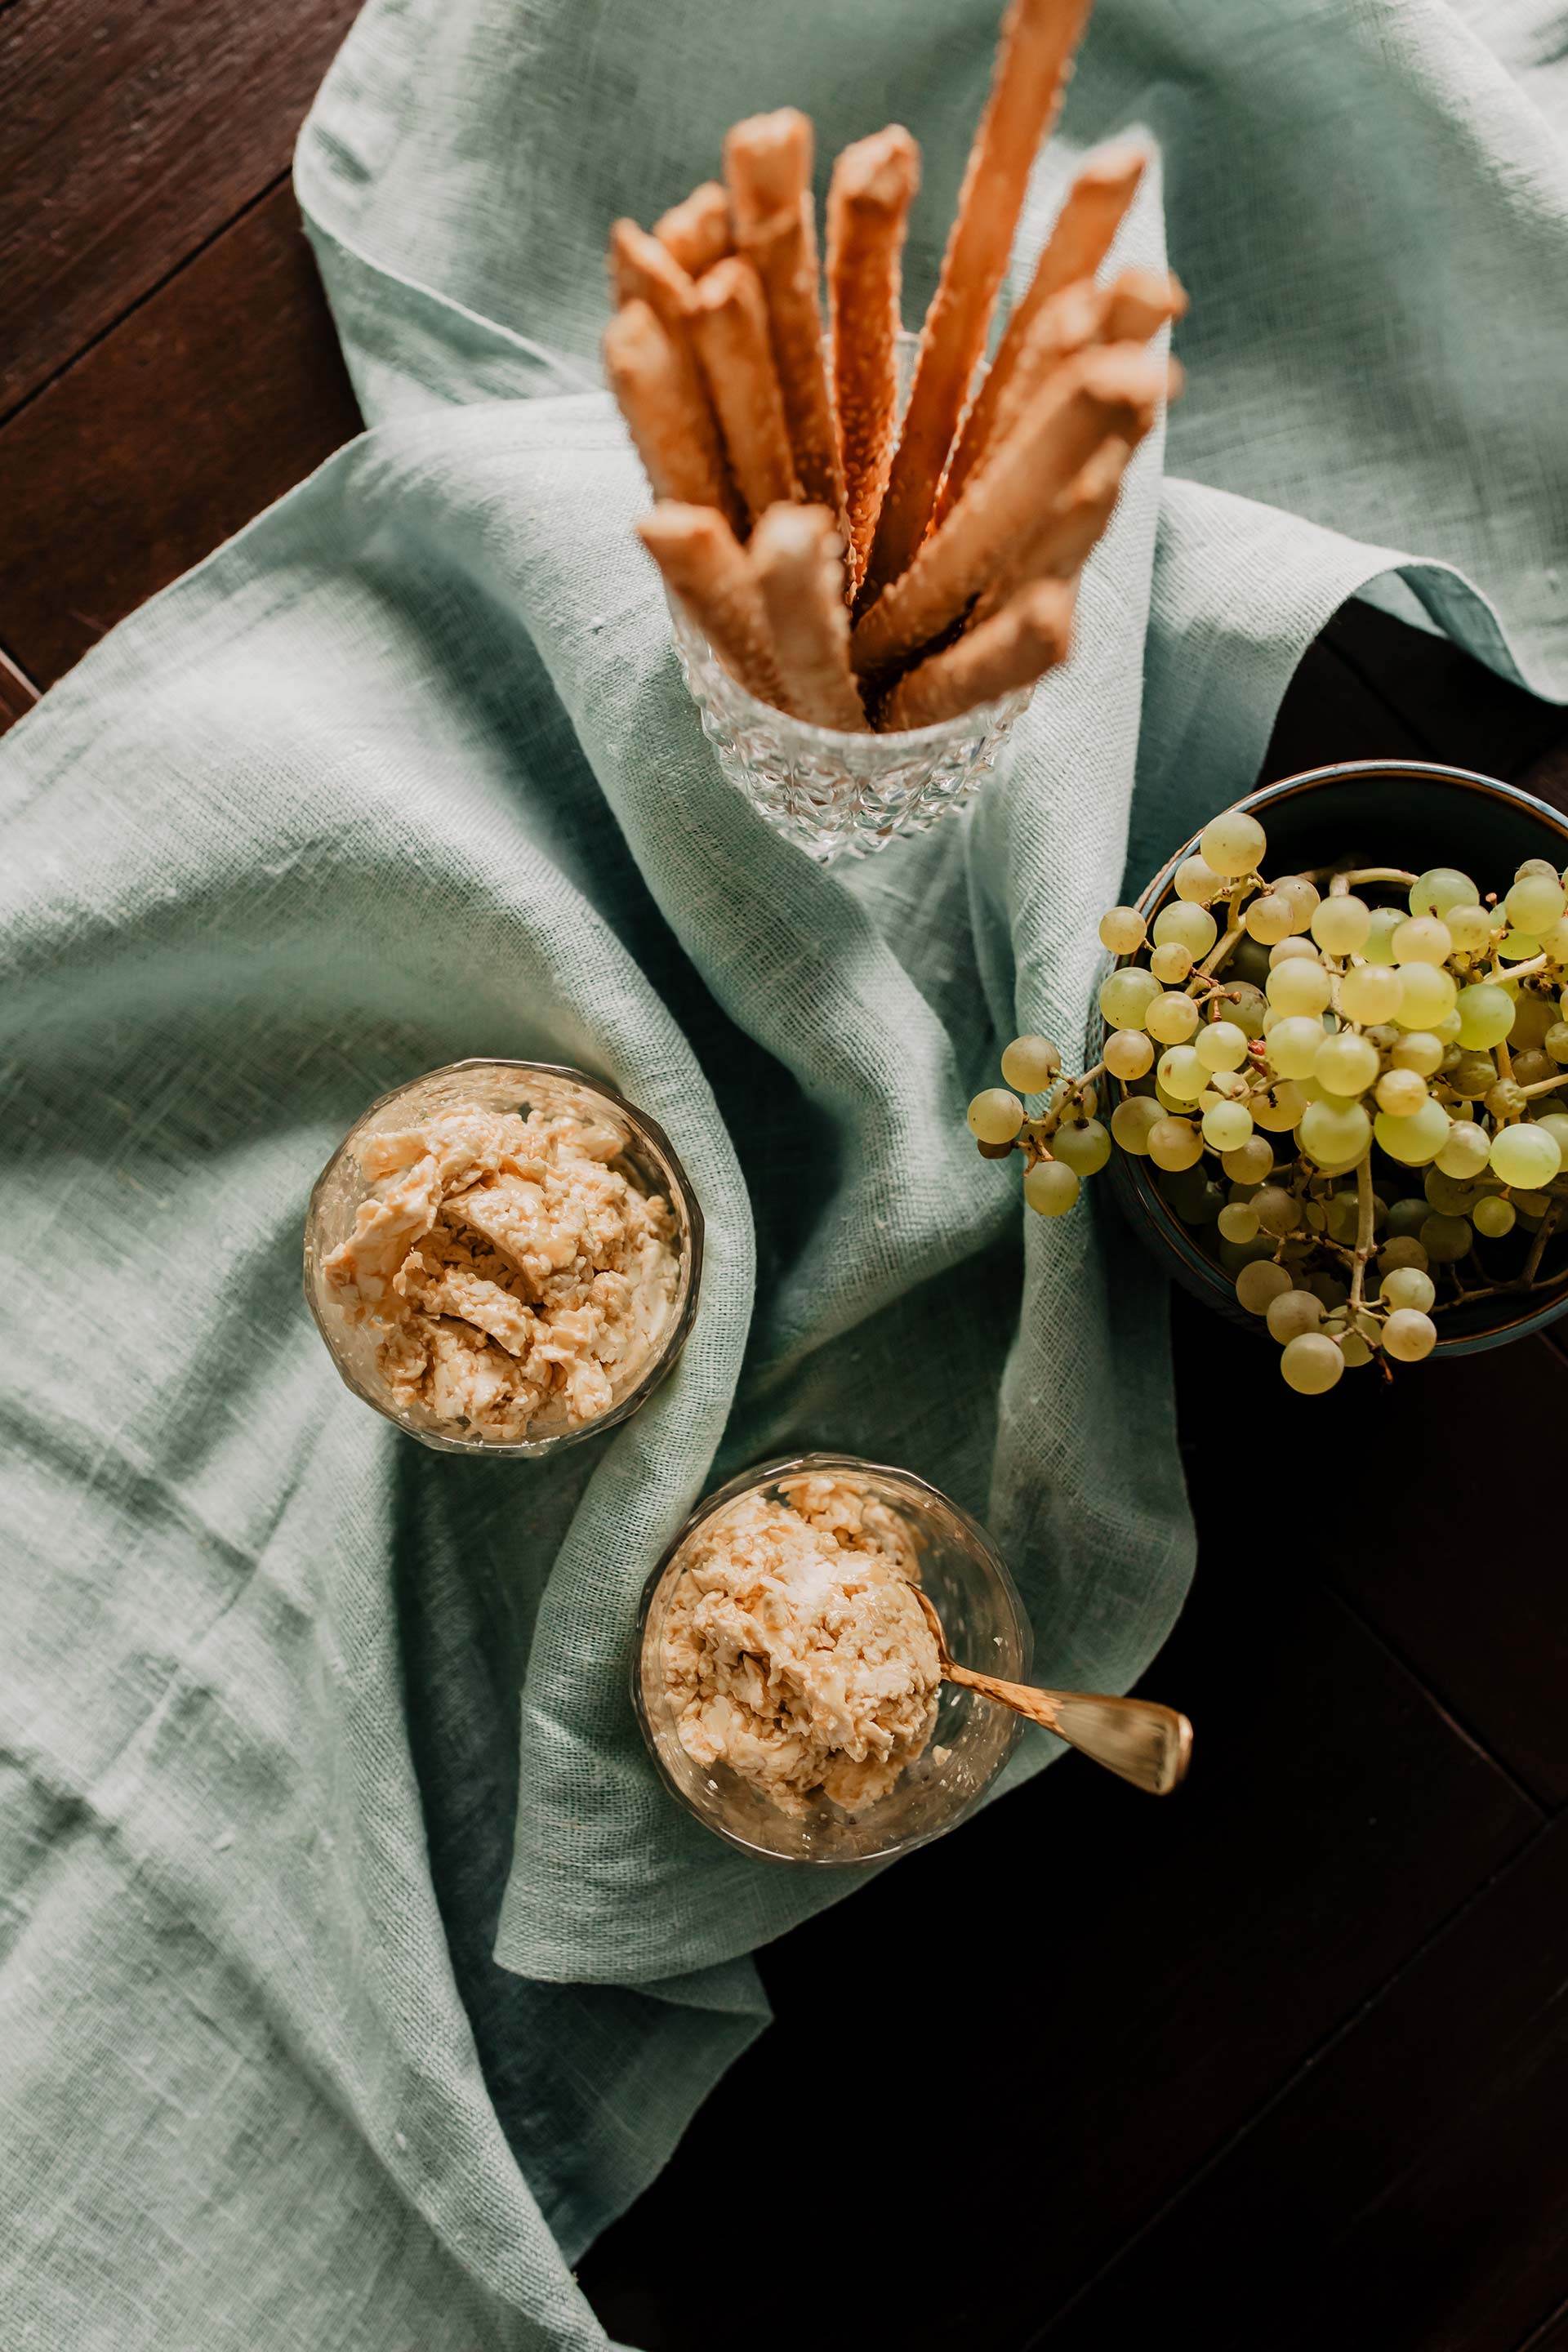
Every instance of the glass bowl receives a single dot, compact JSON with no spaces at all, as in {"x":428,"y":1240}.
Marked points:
{"x":834,"y":794}
{"x":646,"y":1158}
{"x":984,"y":1621}
{"x":1409,"y":812}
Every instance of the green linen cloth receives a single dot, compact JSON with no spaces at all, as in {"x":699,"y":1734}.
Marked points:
{"x":356,"y":1969}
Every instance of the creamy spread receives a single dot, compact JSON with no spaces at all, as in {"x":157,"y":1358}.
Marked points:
{"x":794,"y":1650}
{"x":509,"y":1272}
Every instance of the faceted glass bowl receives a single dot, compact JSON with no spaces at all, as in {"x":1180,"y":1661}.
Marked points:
{"x":837,"y":794}
{"x":982,"y":1619}
{"x":646,"y":1157}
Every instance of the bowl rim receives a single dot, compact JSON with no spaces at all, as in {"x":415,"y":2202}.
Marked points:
{"x":658,"y":1367}
{"x":762,"y":1473}
{"x":1169,"y":1229}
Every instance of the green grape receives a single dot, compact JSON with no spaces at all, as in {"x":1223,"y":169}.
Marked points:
{"x":1170,"y":964}
{"x":1233,"y":843}
{"x":1292,"y":1047}
{"x":1192,"y":1191}
{"x":1341,"y":924}
{"x":1329,"y":1290}
{"x":1447,"y":1031}
{"x":1414,"y":1141}
{"x":1556,"y":1041}
{"x":1355,"y":1351}
{"x":1554,"y":940}
{"x":1532,"y":1017}
{"x":1405,"y":1218}
{"x":1126,"y":995}
{"x":1528,"y":1156}
{"x":1346,"y":1064}
{"x":1532,"y":1206}
{"x":1279,"y":1111}
{"x":1426,"y":995}
{"x":1249,"y":1162}
{"x":1174,"y":1144}
{"x":1122,"y":930}
{"x":1505,"y":1099}
{"x":1518,"y":947}
{"x":1245,"y":1006}
{"x":1422,"y":939}
{"x":1259,"y":1284}
{"x":1172,"y":1019}
{"x":1302,"y":896}
{"x":1050,"y":1188}
{"x":1440,"y":887}
{"x":996,"y":1116}
{"x":1334,"y":1134}
{"x":1269,"y":918}
{"x":1378,"y":945}
{"x":1470,"y":927}
{"x":1535,"y":902}
{"x":1132,"y":1121}
{"x":1344,"y":1217}
{"x":1408,"y":1336}
{"x":1554,"y":1123}
{"x":1370,"y":992}
{"x":1224,"y":1085}
{"x":1238,"y":1222}
{"x":1233,"y":1255}
{"x":1472,"y":1075}
{"x":1312,"y":1363}
{"x":1408,"y":1286}
{"x":1486,"y":1015}
{"x":1181,"y":1074}
{"x":1082,"y":1145}
{"x":1467,"y":1150}
{"x":1031,"y":1063}
{"x":1446,"y":1240}
{"x":1292,"y":949}
{"x":1248,"y":961}
{"x":1534,"y":1068}
{"x":1403,"y":1250}
{"x":1128,"y":1054}
{"x":1418,"y":1050}
{"x":1494,"y":1216}
{"x":1179,"y":924}
{"x":1292,"y":1312}
{"x":1197,"y":883}
{"x":1401,"y":1093}
{"x":1277,"y":1211}
{"x":1226,"y":1126}
{"x":1298,"y":986}
{"x":1221,"y":1045}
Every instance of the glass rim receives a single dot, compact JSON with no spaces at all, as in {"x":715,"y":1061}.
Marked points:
{"x":659,"y":1365}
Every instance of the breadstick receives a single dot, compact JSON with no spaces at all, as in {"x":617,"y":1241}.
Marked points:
{"x":795,"y":560}
{"x":641,"y":269}
{"x":1060,"y":545}
{"x":1140,"y":302}
{"x":1113,"y":388}
{"x":730,"y":328}
{"x":1070,"y":322}
{"x":697,"y":233}
{"x":1037,"y":40}
{"x":767,"y":163}
{"x":873,"y":186}
{"x":1028,"y":638}
{"x":701,"y":562}
{"x":661,"y":402}
{"x":1093,"y":211}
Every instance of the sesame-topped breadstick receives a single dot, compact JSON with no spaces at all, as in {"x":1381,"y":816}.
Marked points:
{"x":642,"y":269}
{"x":730,"y":328}
{"x":794,"y":559}
{"x":1059,"y":546}
{"x":1037,"y":40}
{"x":1029,"y":637}
{"x":664,"y":407}
{"x":767,"y":164}
{"x":1070,"y":322}
{"x":869,"y":200}
{"x":697,"y":233}
{"x":703,"y":563}
{"x":1114,"y":388}
{"x":1093,"y":211}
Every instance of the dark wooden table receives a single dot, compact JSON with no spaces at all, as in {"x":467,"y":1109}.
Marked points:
{"x":1280,"y":2063}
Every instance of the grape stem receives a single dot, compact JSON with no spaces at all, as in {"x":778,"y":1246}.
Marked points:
{"x":1545,"y":1085}
{"x":1364,"y":1225}
{"x":1341,"y":882}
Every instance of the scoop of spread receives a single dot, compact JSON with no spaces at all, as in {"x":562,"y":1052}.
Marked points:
{"x":508,"y":1270}
{"x":795,"y":1650}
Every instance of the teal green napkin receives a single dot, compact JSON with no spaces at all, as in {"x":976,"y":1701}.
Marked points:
{"x":355,"y":1968}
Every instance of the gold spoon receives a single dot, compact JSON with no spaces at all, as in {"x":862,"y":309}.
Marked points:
{"x":1149,"y":1746}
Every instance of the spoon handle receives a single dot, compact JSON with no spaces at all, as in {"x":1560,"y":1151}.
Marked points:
{"x":1146,"y":1744}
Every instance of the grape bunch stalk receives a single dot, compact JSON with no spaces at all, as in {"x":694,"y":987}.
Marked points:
{"x":1360,"y":1105}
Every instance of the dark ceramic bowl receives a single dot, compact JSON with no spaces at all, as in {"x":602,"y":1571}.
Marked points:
{"x":1390,"y":812}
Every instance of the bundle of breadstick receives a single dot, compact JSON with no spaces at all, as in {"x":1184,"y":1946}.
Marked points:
{"x":850,"y":571}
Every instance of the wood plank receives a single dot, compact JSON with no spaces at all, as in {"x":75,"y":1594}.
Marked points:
{"x":17,"y":692}
{"x":132,"y":135}
{"x":1409,"y":2191}
{"x":1019,"y":2044}
{"x":211,"y":400}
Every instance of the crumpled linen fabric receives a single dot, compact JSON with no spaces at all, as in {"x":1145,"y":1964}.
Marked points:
{"x":354,"y":1971}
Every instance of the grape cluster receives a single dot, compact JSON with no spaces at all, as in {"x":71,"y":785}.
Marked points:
{"x":1345,"y":1097}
